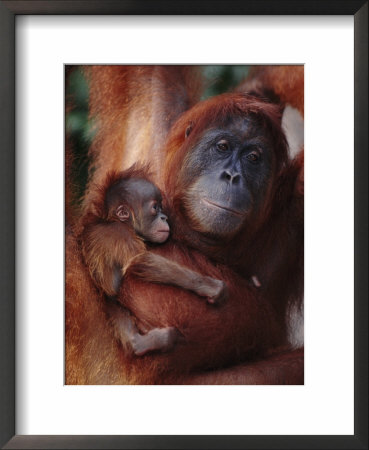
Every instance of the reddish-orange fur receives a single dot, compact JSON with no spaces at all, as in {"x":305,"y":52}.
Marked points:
{"x":250,"y":325}
{"x":213,"y":336}
{"x":94,"y":356}
{"x":133,"y":108}
{"x":285,"y":82}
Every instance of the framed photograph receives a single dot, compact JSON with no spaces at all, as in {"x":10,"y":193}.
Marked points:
{"x":161,"y":266}
{"x":239,"y":158}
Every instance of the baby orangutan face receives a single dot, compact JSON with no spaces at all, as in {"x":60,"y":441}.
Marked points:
{"x":142,"y":207}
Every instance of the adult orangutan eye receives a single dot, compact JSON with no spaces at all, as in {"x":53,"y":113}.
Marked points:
{"x":223,"y":145}
{"x":253,"y":157}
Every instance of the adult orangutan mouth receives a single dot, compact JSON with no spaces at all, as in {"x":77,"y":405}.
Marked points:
{"x":237,"y":213}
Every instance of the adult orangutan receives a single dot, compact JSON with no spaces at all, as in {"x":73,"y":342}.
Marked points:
{"x":236,"y":209}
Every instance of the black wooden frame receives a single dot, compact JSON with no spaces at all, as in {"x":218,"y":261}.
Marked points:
{"x":8,"y":11}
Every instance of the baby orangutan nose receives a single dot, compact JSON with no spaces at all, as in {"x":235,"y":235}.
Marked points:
{"x":163,"y":228}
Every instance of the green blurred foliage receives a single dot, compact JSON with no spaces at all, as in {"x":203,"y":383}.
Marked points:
{"x":222,"y":79}
{"x":80,"y":129}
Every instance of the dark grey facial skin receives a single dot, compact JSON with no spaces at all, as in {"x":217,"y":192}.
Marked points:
{"x":148,"y":219}
{"x":227,"y":174}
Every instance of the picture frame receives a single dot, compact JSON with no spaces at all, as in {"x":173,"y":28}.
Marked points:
{"x":8,"y":11}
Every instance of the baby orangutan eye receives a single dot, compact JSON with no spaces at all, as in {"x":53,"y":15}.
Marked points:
{"x":155,"y":208}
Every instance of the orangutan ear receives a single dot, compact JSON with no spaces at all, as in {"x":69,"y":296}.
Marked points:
{"x":122,"y":212}
{"x":188,"y":129}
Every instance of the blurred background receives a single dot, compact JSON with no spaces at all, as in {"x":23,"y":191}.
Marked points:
{"x":218,"y":79}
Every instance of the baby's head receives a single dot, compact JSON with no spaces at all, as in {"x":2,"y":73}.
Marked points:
{"x":136,"y":201}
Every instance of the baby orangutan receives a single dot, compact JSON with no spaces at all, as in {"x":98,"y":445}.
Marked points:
{"x":127,"y":214}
